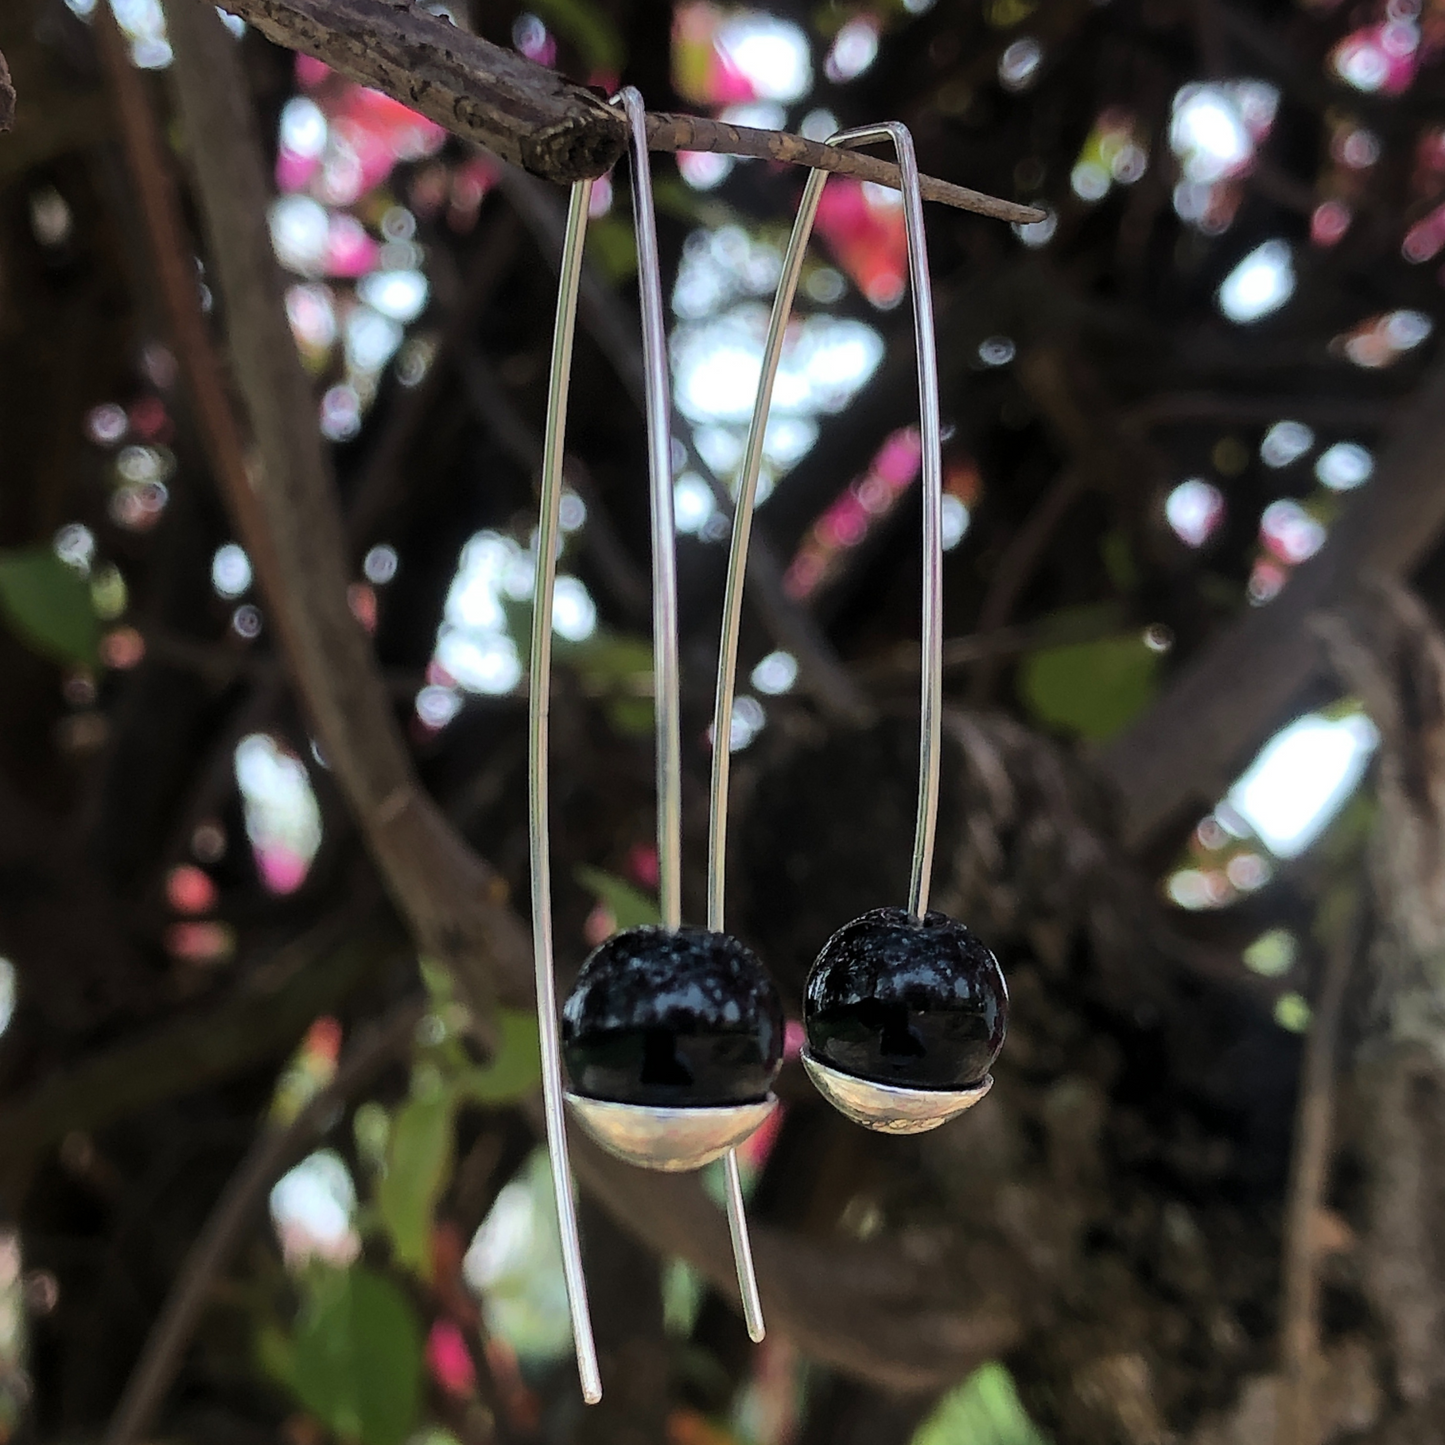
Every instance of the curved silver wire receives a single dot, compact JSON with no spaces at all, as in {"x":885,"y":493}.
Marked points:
{"x":667,"y":687}
{"x":930,"y":430}
{"x":667,"y":678}
{"x":727,"y":666}
{"x":540,"y":695}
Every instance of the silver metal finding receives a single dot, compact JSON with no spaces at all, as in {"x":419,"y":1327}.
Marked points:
{"x":727,"y":666}
{"x":885,"y":1107}
{"x":672,"y":1140}
{"x":876,"y":1106}
{"x":652,"y":1138}
{"x":931,"y":439}
{"x":540,"y":692}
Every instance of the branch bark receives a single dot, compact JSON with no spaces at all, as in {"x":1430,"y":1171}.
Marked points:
{"x":7,"y":96}
{"x":1314,"y":1136}
{"x":272,"y":1153}
{"x":528,"y":114}
{"x":866,"y":1310}
{"x":259,"y":1022}
{"x":455,"y":903}
{"x":1190,"y":746}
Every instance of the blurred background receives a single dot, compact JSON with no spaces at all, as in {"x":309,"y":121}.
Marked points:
{"x":1194,"y":440}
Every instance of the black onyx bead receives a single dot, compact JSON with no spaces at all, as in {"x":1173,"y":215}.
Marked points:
{"x":915,"y":1005}
{"x":673,"y":1020}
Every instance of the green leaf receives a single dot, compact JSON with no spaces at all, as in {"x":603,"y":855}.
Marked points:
{"x":630,"y":907}
{"x":516,"y":1068}
{"x":631,"y":717}
{"x":1093,"y":689}
{"x":418,"y":1164}
{"x":275,"y":1355}
{"x":610,"y":660}
{"x":48,"y":605}
{"x":984,"y":1410}
{"x":356,"y":1357}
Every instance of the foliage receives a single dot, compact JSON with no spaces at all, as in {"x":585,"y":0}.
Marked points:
{"x":590,"y":29}
{"x":984,"y":1410}
{"x":1092,"y":689}
{"x":629,"y":907}
{"x":47,"y":604}
{"x":354,"y":1359}
{"x":418,"y":1161}
{"x":420,"y":1147}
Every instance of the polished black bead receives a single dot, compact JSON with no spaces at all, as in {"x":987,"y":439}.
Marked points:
{"x":915,"y":1005}
{"x":673,"y":1020}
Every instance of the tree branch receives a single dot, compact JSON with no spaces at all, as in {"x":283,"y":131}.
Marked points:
{"x":1189,"y":747}
{"x":7,"y":96}
{"x":455,"y":903}
{"x":528,"y":114}
{"x":264,"y":1017}
{"x":866,"y":1310}
{"x":272,"y":1153}
{"x":1314,"y":1128}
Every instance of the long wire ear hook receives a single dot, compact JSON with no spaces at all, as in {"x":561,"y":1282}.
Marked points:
{"x":667,"y":689}
{"x":540,"y":694}
{"x":932,"y":447}
{"x":964,"y":980}
{"x":667,"y":673}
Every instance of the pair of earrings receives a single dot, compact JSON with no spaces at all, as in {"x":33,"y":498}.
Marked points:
{"x":673,"y":1035}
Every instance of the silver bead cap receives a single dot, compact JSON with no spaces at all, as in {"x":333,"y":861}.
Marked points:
{"x":887,"y":1108}
{"x":673,"y":1140}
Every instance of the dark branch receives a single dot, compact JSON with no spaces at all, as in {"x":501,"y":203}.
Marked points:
{"x":528,"y":114}
{"x":866,"y":1310}
{"x":7,"y":96}
{"x":454,"y":902}
{"x":258,"y":1022}
{"x":271,"y":1154}
{"x":1187,"y":749}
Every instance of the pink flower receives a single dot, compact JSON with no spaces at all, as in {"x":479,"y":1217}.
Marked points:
{"x":449,"y":1361}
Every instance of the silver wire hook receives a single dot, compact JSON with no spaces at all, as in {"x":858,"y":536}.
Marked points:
{"x":668,"y":707}
{"x":540,"y":695}
{"x":667,"y":685}
{"x":930,"y":429}
{"x":667,"y":680}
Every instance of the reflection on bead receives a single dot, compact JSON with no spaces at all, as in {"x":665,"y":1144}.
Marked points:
{"x":684,"y":1019}
{"x":908,"y":1004}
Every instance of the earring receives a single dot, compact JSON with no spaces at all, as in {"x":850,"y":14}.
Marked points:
{"x":672,"y":1035}
{"x":904,"y":1010}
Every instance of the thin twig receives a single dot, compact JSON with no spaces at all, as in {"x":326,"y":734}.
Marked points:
{"x":528,"y":114}
{"x":172,"y":255}
{"x":1314,"y":1127}
{"x":272,"y":1153}
{"x":973,"y":648}
{"x":1171,"y":408}
{"x":494,"y":409}
{"x":1019,"y":563}
{"x":263,"y":1016}
{"x":696,"y":133}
